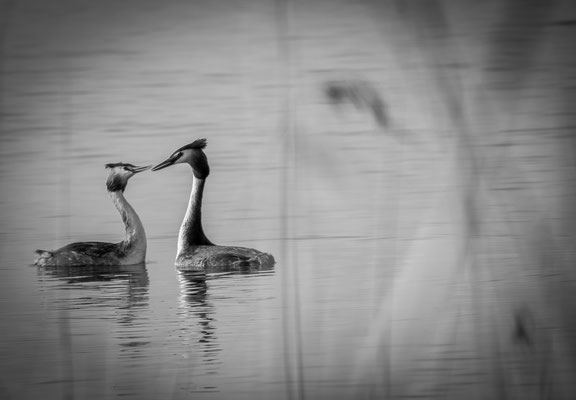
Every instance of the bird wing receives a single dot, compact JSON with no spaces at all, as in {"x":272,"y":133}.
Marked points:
{"x":89,"y":249}
{"x":224,"y":258}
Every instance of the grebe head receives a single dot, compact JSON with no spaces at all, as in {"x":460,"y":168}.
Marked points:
{"x":119,"y":175}
{"x":191,"y":154}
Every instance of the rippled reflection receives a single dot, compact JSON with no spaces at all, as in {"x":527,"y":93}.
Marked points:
{"x":217,"y":270}
{"x":197,"y":330}
{"x":122,"y":287}
{"x":199,"y":327}
{"x":103,"y":312}
{"x":90,"y":289}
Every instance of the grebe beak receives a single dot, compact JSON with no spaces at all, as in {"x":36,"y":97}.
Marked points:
{"x":166,"y":163}
{"x":140,"y":169}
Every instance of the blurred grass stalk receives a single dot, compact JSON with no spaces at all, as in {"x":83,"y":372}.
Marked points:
{"x":521,"y":342}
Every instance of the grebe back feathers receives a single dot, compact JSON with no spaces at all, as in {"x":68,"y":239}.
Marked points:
{"x":195,"y":250}
{"x":132,"y":250}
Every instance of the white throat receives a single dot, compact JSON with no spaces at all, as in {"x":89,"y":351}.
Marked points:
{"x":135,"y":240}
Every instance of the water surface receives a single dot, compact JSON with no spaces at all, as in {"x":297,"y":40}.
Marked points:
{"x":366,"y":222}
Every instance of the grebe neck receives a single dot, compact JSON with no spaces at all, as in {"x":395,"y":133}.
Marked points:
{"x":191,"y":232}
{"x":135,"y":239}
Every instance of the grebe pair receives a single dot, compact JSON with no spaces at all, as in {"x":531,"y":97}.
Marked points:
{"x":195,"y":251}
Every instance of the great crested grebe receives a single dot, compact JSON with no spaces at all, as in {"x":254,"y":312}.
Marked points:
{"x":195,"y":251}
{"x":132,"y":250}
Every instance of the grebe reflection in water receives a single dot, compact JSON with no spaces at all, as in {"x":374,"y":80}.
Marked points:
{"x":132,"y":250}
{"x":195,"y":251}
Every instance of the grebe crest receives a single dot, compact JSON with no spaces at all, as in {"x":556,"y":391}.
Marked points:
{"x":132,"y":250}
{"x":195,"y":251}
{"x":119,"y":175}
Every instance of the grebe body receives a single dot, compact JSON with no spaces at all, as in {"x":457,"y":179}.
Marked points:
{"x":132,"y":250}
{"x":195,"y":251}
{"x":206,"y":257}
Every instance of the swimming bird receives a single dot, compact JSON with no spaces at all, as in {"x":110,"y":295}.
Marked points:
{"x":132,"y":250}
{"x":195,"y":251}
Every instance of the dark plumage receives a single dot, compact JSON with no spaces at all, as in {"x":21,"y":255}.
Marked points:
{"x":197,"y":144}
{"x":195,"y":250}
{"x":117,"y":182}
{"x":132,"y":250}
{"x":208,"y":257}
{"x":81,"y":253}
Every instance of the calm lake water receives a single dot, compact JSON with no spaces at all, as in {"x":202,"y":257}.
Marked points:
{"x":340,"y":204}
